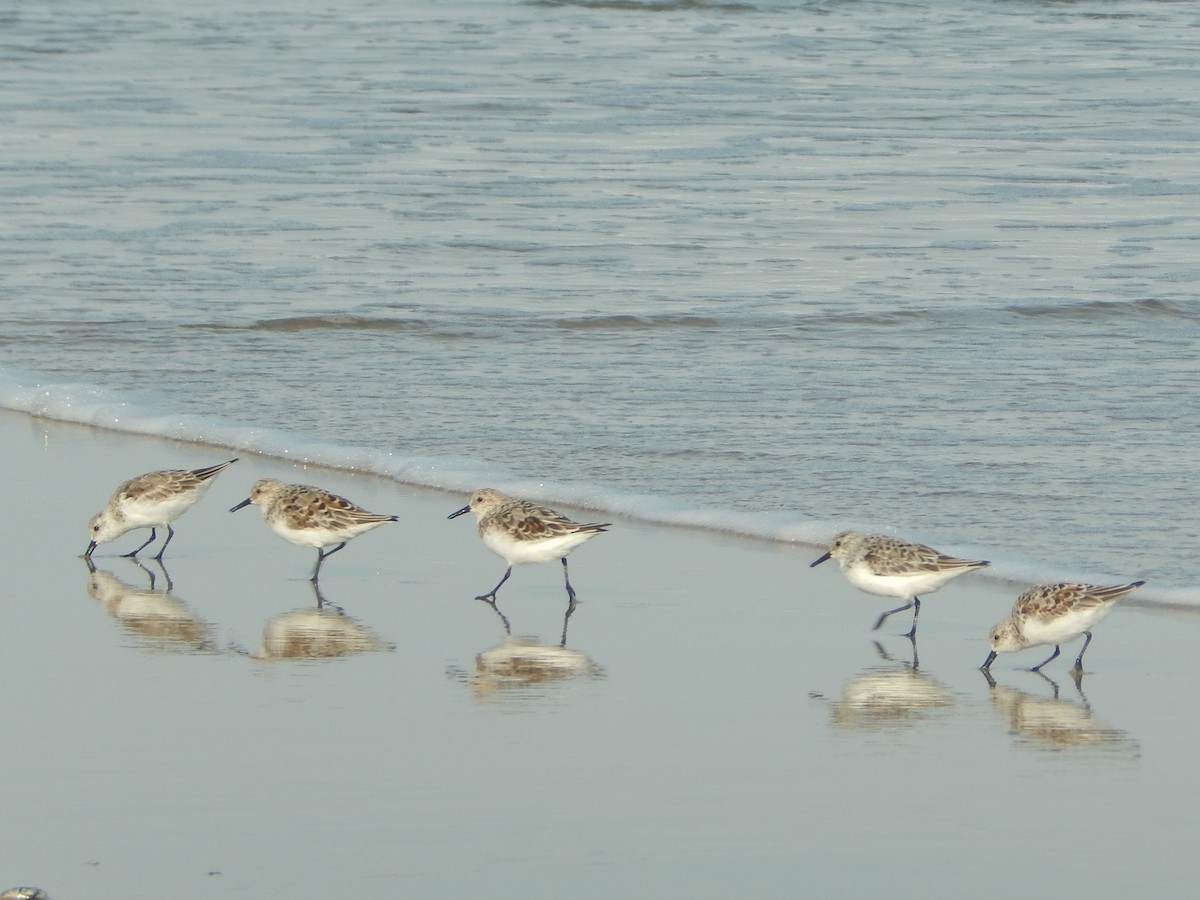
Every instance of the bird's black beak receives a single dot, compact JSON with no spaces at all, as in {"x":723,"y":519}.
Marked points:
{"x":459,"y":512}
{"x":987,"y":663}
{"x":819,"y":560}
{"x":245,"y":502}
{"x":90,"y":550}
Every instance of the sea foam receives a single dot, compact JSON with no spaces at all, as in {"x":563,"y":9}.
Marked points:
{"x":94,"y":406}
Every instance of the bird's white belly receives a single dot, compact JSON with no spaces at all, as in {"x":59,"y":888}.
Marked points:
{"x":1062,"y":628}
{"x":514,"y":552}
{"x":902,"y":586}
{"x":311,"y":537}
{"x":144,"y":515}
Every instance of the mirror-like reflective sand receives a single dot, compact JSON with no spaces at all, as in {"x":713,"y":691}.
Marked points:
{"x":718,"y":722}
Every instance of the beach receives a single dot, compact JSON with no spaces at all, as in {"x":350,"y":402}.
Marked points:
{"x":734,"y":277}
{"x":726,"y":266}
{"x":720,"y":719}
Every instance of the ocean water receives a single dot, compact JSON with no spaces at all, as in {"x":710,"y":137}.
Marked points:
{"x":768,"y":267}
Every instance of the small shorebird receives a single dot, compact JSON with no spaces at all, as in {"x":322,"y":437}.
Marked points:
{"x":1054,"y":614}
{"x":520,"y":532}
{"x":311,"y":517}
{"x":889,"y":567}
{"x":150,"y":500}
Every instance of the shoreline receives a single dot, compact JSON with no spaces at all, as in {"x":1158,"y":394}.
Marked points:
{"x":370,"y":488}
{"x":771,"y":529}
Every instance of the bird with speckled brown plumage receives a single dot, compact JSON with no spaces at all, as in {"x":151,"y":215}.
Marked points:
{"x":520,"y":532}
{"x":150,"y":500}
{"x":311,"y":517}
{"x":1054,"y":614}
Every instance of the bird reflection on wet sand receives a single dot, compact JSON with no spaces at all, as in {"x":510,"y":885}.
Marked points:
{"x":890,"y":696}
{"x":1054,"y":723}
{"x":323,"y":632}
{"x":152,"y":613}
{"x":25,"y":893}
{"x":522,"y":662}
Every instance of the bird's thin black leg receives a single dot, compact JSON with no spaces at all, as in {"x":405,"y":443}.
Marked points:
{"x":163,"y":548}
{"x":570,"y":590}
{"x":880,"y":620}
{"x":149,"y":541}
{"x":1083,"y":650}
{"x":321,"y":554}
{"x":490,"y":596}
{"x":912,"y":632}
{"x":1046,"y":660}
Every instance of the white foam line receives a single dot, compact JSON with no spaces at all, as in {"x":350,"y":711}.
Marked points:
{"x":91,"y":405}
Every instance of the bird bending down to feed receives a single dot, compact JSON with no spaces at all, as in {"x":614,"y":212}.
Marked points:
{"x":150,"y":500}
{"x":1054,"y":614}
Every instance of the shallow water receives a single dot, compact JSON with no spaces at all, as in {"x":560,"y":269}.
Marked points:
{"x":771,"y":267}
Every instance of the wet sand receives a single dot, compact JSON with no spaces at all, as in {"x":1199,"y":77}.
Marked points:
{"x":721,"y":719}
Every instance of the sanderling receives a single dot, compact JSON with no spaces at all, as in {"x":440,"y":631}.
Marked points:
{"x":150,"y":500}
{"x":311,"y":517}
{"x":519,"y":532}
{"x":890,"y":567}
{"x":1054,"y":614}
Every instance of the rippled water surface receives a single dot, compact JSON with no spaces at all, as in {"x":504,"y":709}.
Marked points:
{"x":766,"y":267}
{"x":779,"y":267}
